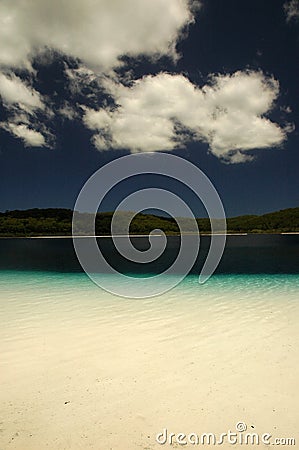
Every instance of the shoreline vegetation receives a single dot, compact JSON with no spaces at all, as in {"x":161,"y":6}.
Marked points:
{"x":57,"y":222}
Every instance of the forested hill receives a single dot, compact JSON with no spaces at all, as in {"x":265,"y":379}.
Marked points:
{"x":54,"y":222}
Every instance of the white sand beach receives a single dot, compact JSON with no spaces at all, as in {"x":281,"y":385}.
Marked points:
{"x":81,"y":369}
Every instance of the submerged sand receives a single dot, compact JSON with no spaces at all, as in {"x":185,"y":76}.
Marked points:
{"x":83,"y":369}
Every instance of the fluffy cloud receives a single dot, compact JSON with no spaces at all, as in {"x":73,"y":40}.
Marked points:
{"x":30,"y":137}
{"x":21,"y":102}
{"x":159,"y":112}
{"x":291,"y":9}
{"x":14,"y":91}
{"x":96,"y":32}
{"x":163,"y":112}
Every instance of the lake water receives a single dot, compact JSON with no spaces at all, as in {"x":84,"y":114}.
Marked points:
{"x":251,"y":254}
{"x":81,"y":368}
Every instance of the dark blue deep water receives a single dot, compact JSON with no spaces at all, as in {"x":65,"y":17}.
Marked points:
{"x":249,"y":254}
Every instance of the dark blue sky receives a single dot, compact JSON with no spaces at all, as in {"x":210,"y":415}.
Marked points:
{"x":227,"y":36}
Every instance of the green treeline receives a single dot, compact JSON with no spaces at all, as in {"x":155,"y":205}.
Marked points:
{"x":54,"y":222}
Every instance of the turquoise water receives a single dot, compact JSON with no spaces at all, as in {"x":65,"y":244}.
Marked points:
{"x":53,"y":288}
{"x":287,"y":284}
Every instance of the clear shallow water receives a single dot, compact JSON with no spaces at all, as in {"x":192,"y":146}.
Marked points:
{"x":34,"y":299}
{"x":81,"y":368}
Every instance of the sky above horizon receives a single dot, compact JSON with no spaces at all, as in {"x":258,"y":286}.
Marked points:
{"x":85,"y":82}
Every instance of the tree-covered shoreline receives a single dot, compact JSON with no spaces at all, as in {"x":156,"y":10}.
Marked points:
{"x":58,"y":222}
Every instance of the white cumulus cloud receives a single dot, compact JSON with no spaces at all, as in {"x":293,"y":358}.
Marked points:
{"x":21,"y":102}
{"x":30,"y":137}
{"x":98,"y":32}
{"x":161,"y":112}
{"x":14,"y":91}
{"x":164,"y":112}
